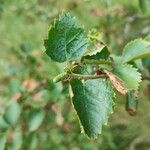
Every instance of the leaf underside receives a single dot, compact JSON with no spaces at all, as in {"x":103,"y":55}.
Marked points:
{"x":93,"y":102}
{"x":116,"y":82}
{"x":66,"y":41}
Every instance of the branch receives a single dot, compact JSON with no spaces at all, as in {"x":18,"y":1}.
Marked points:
{"x":97,"y":62}
{"x":86,"y":77}
{"x":65,"y":76}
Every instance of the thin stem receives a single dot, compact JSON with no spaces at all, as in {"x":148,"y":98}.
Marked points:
{"x":66,"y":76}
{"x":97,"y":62}
{"x":86,"y":77}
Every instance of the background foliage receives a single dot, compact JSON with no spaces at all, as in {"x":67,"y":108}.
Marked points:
{"x":35,"y":113}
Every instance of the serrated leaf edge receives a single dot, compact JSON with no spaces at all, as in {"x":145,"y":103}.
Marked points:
{"x":139,"y":76}
{"x":131,"y":42}
{"x":93,"y":136}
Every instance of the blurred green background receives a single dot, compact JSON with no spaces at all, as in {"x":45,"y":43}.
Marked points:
{"x":35,"y":113}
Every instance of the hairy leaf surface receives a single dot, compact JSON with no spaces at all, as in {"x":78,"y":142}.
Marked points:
{"x":66,"y":41}
{"x":93,"y":101}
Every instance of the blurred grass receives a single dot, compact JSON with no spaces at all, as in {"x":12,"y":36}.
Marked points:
{"x":23,"y":26}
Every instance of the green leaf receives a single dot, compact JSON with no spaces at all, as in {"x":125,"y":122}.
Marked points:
{"x":101,"y":53}
{"x":93,"y":101}
{"x":36,"y":118}
{"x":12,"y":113}
{"x":135,"y":50}
{"x":129,"y":75}
{"x":66,"y":41}
{"x":131,"y":103}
